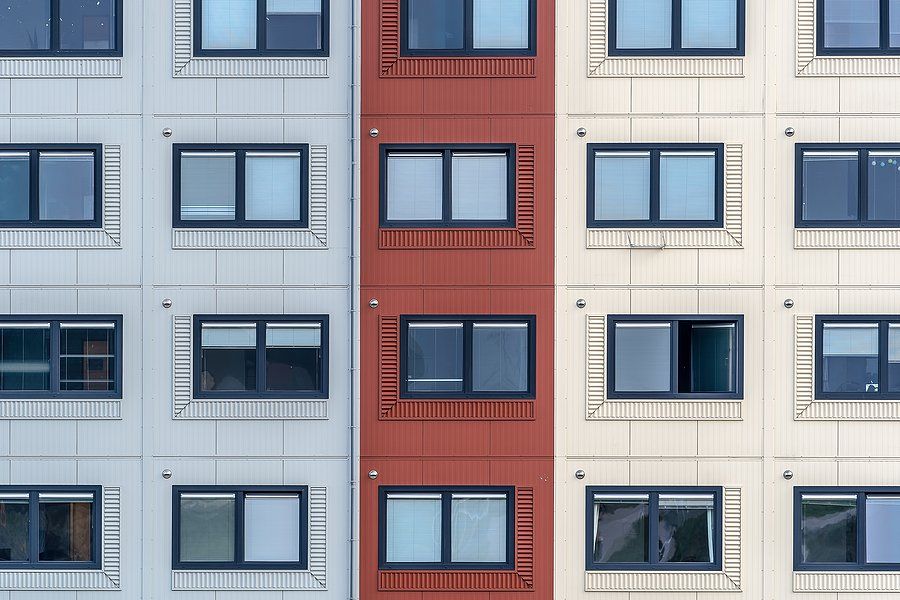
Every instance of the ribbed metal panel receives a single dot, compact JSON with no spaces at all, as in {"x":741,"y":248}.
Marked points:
{"x":637,"y":581}
{"x":60,"y":409}
{"x":525,"y":535}
{"x":243,"y":580}
{"x":247,"y":239}
{"x":856,"y":66}
{"x":389,"y":363}
{"x":34,"y":68}
{"x":837,"y":581}
{"x":846,"y":238}
{"x":318,"y":193}
{"x":182,"y":336}
{"x":852,"y":410}
{"x":182,"y":16}
{"x":595,"y":368}
{"x":469,"y":410}
{"x":255,"y":409}
{"x":668,"y":410}
{"x":731,"y":534}
{"x":596,"y":20}
{"x":657,"y":239}
{"x":318,"y":539}
{"x":525,"y":191}
{"x":112,"y":534}
{"x":734,"y":191}
{"x":56,"y":238}
{"x":804,"y":352}
{"x":806,"y":34}
{"x":112,"y":191}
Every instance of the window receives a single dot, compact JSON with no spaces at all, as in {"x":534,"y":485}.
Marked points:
{"x":638,"y":185}
{"x":467,"y":357}
{"x":858,"y":27}
{"x":241,"y":186}
{"x":50,"y":527}
{"x":60,"y":357}
{"x":676,"y":357}
{"x":462,"y":528}
{"x":252,"y":357}
{"x":841,"y":185}
{"x":239,"y":528}
{"x":61,"y":28}
{"x":50,"y":186}
{"x":676,"y":27}
{"x":846,"y":529}
{"x":426,"y":186}
{"x":468,"y":27}
{"x":858,"y":357}
{"x":261,"y":27}
{"x":667,"y":529}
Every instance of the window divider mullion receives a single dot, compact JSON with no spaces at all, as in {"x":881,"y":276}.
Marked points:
{"x":446,"y":526}
{"x":55,"y":360}
{"x":240,"y":187}
{"x":34,"y":166}
{"x":673,"y":357}
{"x":468,"y":352}
{"x":261,"y":383}
{"x":861,"y":528}
{"x":884,"y":26}
{"x":883,"y":357}
{"x":653,"y":529}
{"x":468,"y":26}
{"x":34,"y":526}
{"x":447,"y":187}
{"x":654,"y":185}
{"x":239,"y":527}
{"x":676,"y":26}
{"x":261,"y":17}
{"x":54,"y":27}
{"x":863,"y":186}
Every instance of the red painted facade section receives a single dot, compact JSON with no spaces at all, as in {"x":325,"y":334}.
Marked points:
{"x":415,"y":271}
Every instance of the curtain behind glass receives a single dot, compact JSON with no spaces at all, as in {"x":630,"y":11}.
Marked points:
{"x":828,"y":529}
{"x":272,"y":528}
{"x":478,"y":529}
{"x":479,"y":187}
{"x":500,"y":358}
{"x":621,"y":528}
{"x":413,"y":530}
{"x":500,"y":24}
{"x":709,"y":23}
{"x":229,"y":24}
{"x":687,"y":187}
{"x":686,"y":528}
{"x":273,"y":187}
{"x":622,"y":186}
{"x":414,"y":187}
{"x":643,"y":358}
{"x":643,"y":24}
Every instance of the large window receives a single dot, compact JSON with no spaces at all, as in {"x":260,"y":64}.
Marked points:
{"x":667,"y":529}
{"x":50,"y":527}
{"x":251,"y":357}
{"x":467,"y":357}
{"x":640,"y":185}
{"x":227,"y":186}
{"x":468,"y":27}
{"x":219,"y":527}
{"x":843,"y":185}
{"x":261,"y":27}
{"x":858,"y":357}
{"x":675,"y":357}
{"x":440,"y":186}
{"x":846,"y":529}
{"x":60,"y":357}
{"x":52,"y":185}
{"x":858,"y":27}
{"x":61,"y":28}
{"x":676,"y":27}
{"x":464,"y":528}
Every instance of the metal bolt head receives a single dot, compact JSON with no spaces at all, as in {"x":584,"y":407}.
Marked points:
{"x":167,"y":474}
{"x":788,"y":474}
{"x":579,"y":474}
{"x":789,"y":303}
{"x":167,"y":132}
{"x":581,"y":132}
{"x":167,"y":303}
{"x":373,"y":474}
{"x":373,"y":303}
{"x":789,"y":132}
{"x":374,"y":132}
{"x":581,"y":303}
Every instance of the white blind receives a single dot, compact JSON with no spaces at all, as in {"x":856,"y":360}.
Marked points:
{"x":235,"y":335}
{"x":207,"y":185}
{"x":859,"y":339}
{"x":852,"y":23}
{"x":294,"y":335}
{"x":643,"y":357}
{"x":272,"y":528}
{"x":643,"y":24}
{"x":229,"y":24}
{"x":882,"y":529}
{"x":294,"y":7}
{"x":480,"y":187}
{"x":622,"y":186}
{"x":709,"y":23}
{"x":273,"y":187}
{"x":413,"y":529}
{"x":414,"y":187}
{"x":66,"y":187}
{"x":687,"y":186}
{"x":500,"y":24}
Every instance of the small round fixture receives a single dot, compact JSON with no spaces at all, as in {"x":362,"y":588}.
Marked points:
{"x":788,"y":474}
{"x":167,"y":132}
{"x":167,"y":303}
{"x":373,"y":303}
{"x":167,"y":474}
{"x":581,"y":303}
{"x":581,"y":132}
{"x":374,"y":132}
{"x":579,"y":474}
{"x":789,"y":303}
{"x":789,"y":132}
{"x":373,"y":474}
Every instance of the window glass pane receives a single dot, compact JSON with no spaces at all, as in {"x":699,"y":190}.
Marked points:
{"x":882,"y":529}
{"x":850,"y":357}
{"x":207,"y":527}
{"x":87,"y":24}
{"x":25,"y":358}
{"x":434,"y":357}
{"x":852,"y":23}
{"x":14,"y":527}
{"x":500,"y":357}
{"x":830,"y":186}
{"x":480,"y":191}
{"x":709,"y":23}
{"x":293,"y":356}
{"x":413,"y":529}
{"x":294,"y":24}
{"x":686,"y":528}
{"x":643,"y":24}
{"x":622,"y":186}
{"x":687,"y":186}
{"x":229,"y":24}
{"x":15,"y":186}
{"x":621,"y":528}
{"x":884,"y":186}
{"x":828,"y":529}
{"x":66,"y":527}
{"x":87,"y":359}
{"x":436,"y":24}
{"x":228,"y":358}
{"x":207,"y":186}
{"x":500,"y":24}
{"x":66,"y":186}
{"x":712,"y":357}
{"x":273,"y":187}
{"x":894,"y":357}
{"x":894,"y":20}
{"x":643,"y":357}
{"x":478,"y":529}
{"x":414,"y":187}
{"x":25,"y":25}
{"x":272,"y":528}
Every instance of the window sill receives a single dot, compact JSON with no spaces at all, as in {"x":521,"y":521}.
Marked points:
{"x":53,"y":67}
{"x":858,"y":238}
{"x":60,"y":409}
{"x":846,"y":581}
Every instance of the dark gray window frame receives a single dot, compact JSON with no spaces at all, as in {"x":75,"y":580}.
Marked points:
{"x":56,"y":52}
{"x":884,"y":46}
{"x":883,"y":373}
